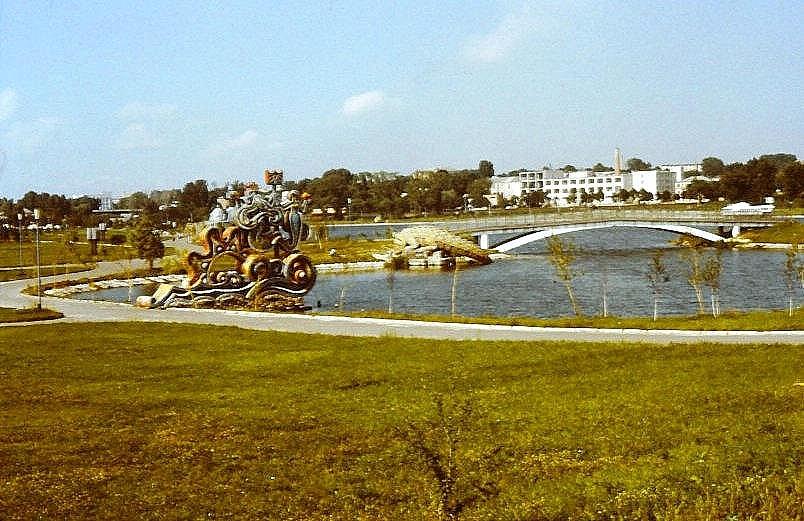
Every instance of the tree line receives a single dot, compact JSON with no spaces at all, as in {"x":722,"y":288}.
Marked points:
{"x":777,"y":175}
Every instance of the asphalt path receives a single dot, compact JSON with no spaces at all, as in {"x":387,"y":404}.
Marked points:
{"x":75,"y":310}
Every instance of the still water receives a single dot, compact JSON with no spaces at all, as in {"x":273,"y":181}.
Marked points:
{"x":616,"y":259}
{"x":526,"y":285}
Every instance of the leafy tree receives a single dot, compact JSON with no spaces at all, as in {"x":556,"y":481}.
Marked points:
{"x":486,"y":169}
{"x":712,"y":166}
{"x":600,"y":167}
{"x":622,"y":195}
{"x":478,"y":189}
{"x":666,"y":196}
{"x":195,"y":200}
{"x":791,"y":181}
{"x":562,"y":257}
{"x":749,"y":182}
{"x":569,"y":168}
{"x":699,"y":189}
{"x":572,"y":196}
{"x":535,"y":199}
{"x":644,"y":195}
{"x":779,"y":160}
{"x":332,"y":189}
{"x":146,"y":238}
{"x":636,"y":163}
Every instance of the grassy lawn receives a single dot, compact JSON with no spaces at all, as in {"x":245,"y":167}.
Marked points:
{"x":788,"y":232}
{"x":53,"y":251}
{"x":27,"y":314}
{"x":159,"y":421}
{"x":29,"y":273}
{"x":728,"y":321}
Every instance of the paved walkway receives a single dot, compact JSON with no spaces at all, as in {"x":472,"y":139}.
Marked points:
{"x":95,"y":311}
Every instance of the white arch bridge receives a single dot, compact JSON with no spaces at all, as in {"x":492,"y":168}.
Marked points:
{"x":683,"y":225}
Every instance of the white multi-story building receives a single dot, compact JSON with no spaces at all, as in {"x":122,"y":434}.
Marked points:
{"x":653,"y":181}
{"x":562,"y":187}
{"x":680,"y":169}
{"x":508,"y":187}
{"x":530,"y":181}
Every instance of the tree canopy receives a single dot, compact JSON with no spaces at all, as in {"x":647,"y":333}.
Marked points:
{"x":635,"y":164}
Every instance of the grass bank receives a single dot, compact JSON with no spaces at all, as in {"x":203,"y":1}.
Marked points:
{"x":789,"y":232}
{"x":728,"y":321}
{"x":179,"y":421}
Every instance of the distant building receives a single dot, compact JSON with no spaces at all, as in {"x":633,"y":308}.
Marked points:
{"x":680,"y":169}
{"x":653,"y":181}
{"x":559,"y":186}
{"x":530,"y":181}
{"x":508,"y":187}
{"x":681,"y":186}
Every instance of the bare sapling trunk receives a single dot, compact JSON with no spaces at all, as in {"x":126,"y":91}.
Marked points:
{"x":453,"y":297}
{"x":656,"y":277}
{"x":792,"y":270}
{"x":390,"y":277}
{"x":710,"y":275}
{"x":562,"y":256}
{"x":692,"y":257}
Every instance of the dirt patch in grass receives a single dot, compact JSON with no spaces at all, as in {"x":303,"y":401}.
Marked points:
{"x":27,"y":315}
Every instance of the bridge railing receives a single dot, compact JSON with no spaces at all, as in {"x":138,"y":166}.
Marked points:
{"x":573,"y":216}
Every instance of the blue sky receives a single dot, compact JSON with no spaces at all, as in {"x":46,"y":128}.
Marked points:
{"x":123,"y":96}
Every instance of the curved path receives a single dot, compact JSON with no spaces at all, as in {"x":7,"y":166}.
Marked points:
{"x":94,"y":311}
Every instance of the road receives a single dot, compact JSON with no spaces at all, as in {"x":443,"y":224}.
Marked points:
{"x":94,"y":311}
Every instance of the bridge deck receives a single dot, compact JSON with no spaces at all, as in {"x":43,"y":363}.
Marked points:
{"x":515,"y":223}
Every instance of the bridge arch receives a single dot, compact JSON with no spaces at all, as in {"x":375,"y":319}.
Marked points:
{"x":544,"y":233}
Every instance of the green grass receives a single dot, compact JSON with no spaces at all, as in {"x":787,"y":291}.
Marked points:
{"x":788,"y":232}
{"x":129,"y":421}
{"x":8,"y":315}
{"x":30,"y":273}
{"x":728,"y":321}
{"x":347,"y":250}
{"x":52,"y":250}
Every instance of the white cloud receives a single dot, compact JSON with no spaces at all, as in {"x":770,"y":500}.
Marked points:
{"x":364,"y":102}
{"x":137,"y":137}
{"x":497,"y":44}
{"x":8,"y":103}
{"x":240,"y":142}
{"x":137,"y":110}
{"x":31,"y":135}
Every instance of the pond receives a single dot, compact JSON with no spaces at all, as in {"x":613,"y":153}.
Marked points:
{"x":616,"y":260}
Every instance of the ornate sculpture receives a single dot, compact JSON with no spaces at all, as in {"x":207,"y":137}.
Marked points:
{"x":252,"y":262}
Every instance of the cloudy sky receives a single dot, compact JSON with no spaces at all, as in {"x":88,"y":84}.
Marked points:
{"x":114,"y":96}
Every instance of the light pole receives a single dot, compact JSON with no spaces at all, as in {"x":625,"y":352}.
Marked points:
{"x":19,"y":220}
{"x":37,"y":215}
